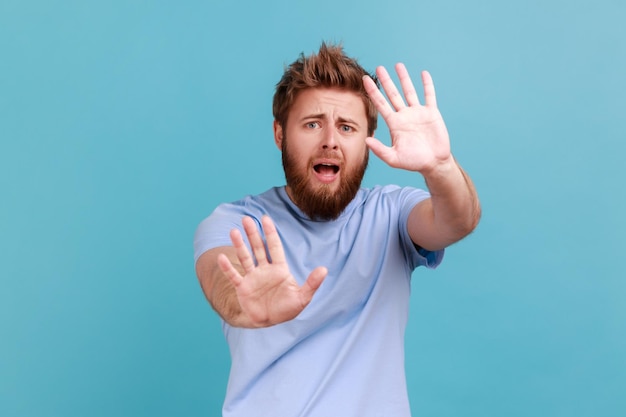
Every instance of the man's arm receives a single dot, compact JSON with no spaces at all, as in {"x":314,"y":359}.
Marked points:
{"x":451,"y":213}
{"x":247,"y":289}
{"x":420,"y":143}
{"x":217,"y":288}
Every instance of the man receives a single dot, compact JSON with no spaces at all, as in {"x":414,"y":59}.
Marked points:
{"x":314,"y":300}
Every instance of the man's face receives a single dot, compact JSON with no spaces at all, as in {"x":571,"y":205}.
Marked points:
{"x":324,"y":150}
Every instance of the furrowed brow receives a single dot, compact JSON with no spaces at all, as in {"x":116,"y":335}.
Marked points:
{"x":347,"y":120}
{"x":313,"y":116}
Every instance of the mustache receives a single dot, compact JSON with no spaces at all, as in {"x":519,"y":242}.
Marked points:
{"x":328,"y":155}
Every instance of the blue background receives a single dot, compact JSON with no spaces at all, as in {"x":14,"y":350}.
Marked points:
{"x":124,"y":123}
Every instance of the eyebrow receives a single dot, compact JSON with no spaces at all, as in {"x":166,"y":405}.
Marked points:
{"x":347,"y":120}
{"x":323,"y":116}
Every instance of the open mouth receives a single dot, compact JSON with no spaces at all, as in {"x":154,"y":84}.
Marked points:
{"x":326,"y":169}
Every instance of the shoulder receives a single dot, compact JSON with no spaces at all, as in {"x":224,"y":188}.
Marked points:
{"x":250,"y":205}
{"x":392,"y":194}
{"x":214,"y":230}
{"x":228,"y":215}
{"x":390,"y":202}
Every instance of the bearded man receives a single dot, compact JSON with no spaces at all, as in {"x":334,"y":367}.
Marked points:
{"x":314,"y":300}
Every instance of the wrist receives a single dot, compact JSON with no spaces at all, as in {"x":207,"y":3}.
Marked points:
{"x":441,"y":169}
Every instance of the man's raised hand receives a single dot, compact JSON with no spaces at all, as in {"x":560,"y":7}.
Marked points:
{"x":419,"y":138}
{"x":267,"y":292}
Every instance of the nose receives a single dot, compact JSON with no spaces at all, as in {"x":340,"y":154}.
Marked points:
{"x":329,"y":141}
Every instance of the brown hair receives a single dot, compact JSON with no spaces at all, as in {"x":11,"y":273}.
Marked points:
{"x":330,"y":67}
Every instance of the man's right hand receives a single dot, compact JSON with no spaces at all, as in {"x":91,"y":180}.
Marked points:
{"x":266,"y":291}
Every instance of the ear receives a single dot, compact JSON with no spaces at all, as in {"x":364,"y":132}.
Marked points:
{"x":278,"y":135}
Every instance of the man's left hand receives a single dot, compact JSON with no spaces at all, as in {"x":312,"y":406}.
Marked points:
{"x":419,"y":138}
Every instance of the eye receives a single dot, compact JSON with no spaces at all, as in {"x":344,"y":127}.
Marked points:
{"x":346,"y":128}
{"x":312,"y":125}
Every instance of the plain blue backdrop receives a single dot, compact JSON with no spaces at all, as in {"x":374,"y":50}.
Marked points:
{"x":124,"y":123}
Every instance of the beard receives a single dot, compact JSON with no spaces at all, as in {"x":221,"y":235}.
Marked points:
{"x":321,"y":202}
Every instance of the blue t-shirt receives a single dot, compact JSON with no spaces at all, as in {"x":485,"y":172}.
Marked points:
{"x":344,"y":354}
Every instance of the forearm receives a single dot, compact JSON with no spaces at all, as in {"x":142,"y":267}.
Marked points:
{"x":217,"y":288}
{"x":452,"y":212}
{"x":223,"y":299}
{"x":456,"y":208}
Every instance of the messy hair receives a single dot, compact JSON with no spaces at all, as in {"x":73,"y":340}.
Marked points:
{"x":329,"y":68}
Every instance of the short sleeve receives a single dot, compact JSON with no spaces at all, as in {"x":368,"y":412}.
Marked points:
{"x":214,"y":231}
{"x":407,"y":199}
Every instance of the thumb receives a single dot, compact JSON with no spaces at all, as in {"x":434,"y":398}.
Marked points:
{"x":382,"y":151}
{"x":312,"y":283}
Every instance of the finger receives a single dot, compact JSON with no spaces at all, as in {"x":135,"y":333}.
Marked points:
{"x":274,"y":245}
{"x":245,"y":259}
{"x":377,"y":97}
{"x":408,"y":89}
{"x":312,"y":283}
{"x":229,"y":270}
{"x":385,"y":153}
{"x":389,"y":86}
{"x":430,"y":99}
{"x":255,"y":240}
